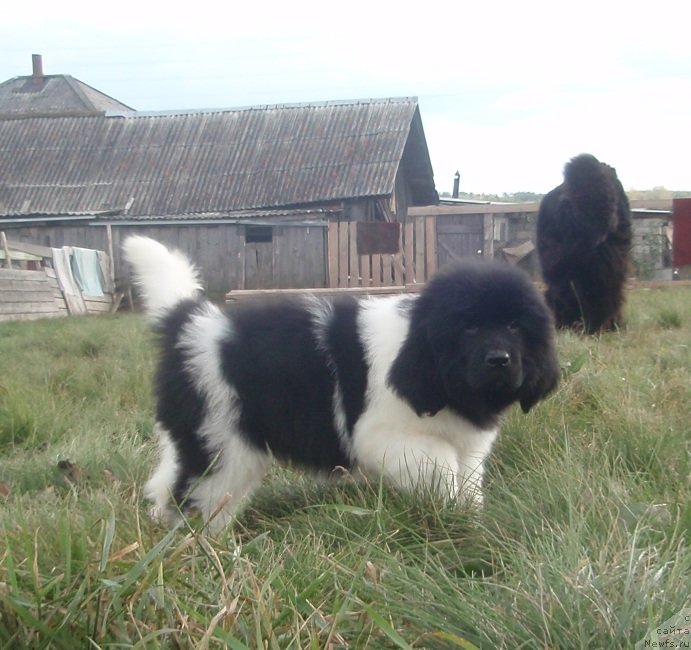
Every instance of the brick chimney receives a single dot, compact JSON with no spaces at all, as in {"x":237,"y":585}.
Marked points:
{"x":37,"y":69}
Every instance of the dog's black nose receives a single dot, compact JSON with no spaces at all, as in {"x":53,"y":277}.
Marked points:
{"x":497,"y":358}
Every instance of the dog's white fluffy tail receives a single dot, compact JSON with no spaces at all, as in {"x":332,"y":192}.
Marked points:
{"x":164,"y":277}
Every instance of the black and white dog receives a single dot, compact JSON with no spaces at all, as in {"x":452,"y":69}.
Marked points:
{"x":408,"y":387}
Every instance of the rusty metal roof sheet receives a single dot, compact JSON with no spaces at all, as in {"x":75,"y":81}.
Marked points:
{"x":167,"y":164}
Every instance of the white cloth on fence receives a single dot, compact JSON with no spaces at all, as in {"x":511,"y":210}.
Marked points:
{"x":63,"y":272}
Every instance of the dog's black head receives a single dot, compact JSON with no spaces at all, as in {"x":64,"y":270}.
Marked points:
{"x":480,"y":338}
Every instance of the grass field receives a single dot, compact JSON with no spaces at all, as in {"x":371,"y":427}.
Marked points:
{"x":584,"y":541}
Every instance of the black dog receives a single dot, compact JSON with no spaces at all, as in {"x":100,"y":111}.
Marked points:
{"x":584,"y":246}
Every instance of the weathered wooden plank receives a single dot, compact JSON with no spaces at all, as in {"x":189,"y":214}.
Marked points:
{"x":28,"y":285}
{"x":251,"y":294}
{"x":420,"y":249}
{"x":6,"y":250}
{"x":332,"y":246}
{"x":28,"y":307}
{"x":386,"y":270}
{"x":398,"y":269}
{"x":98,"y":307}
{"x":106,"y":298}
{"x":30,"y":316}
{"x":366,"y":270}
{"x":35,"y":250}
{"x":38,"y":295}
{"x":354,"y":267}
{"x":376,"y":270}
{"x":408,"y":252}
{"x":430,"y":247}
{"x":21,"y":274}
{"x":242,"y":253}
{"x":488,"y":236}
{"x":343,"y":254}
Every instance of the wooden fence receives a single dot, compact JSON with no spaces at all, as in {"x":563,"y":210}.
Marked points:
{"x":30,"y":288}
{"x":27,"y":295}
{"x":414,"y":263}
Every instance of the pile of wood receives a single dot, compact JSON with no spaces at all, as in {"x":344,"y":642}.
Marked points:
{"x":30,"y":287}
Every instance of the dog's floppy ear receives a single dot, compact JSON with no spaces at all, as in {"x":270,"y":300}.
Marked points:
{"x":542,"y":375}
{"x":414,"y":375}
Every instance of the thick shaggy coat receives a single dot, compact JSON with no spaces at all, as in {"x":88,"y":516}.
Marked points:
{"x":408,"y":387}
{"x":584,"y":246}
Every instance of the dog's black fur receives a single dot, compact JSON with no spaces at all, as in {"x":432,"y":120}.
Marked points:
{"x":584,"y":246}
{"x":480,"y":339}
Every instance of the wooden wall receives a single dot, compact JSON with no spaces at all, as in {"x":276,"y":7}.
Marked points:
{"x":295,"y":257}
{"x":29,"y":295}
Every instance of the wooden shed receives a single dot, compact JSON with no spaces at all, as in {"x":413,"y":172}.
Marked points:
{"x":260,"y":197}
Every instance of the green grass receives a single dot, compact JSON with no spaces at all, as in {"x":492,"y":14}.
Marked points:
{"x":583,"y":543}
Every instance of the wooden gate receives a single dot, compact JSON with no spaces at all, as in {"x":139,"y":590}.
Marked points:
{"x":413,"y":263}
{"x":460,"y":237}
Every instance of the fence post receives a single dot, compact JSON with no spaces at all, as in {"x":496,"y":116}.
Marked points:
{"x":6,"y":248}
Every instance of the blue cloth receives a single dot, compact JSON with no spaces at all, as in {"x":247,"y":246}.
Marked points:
{"x":87,"y":271}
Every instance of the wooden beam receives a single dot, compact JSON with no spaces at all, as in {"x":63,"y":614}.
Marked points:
{"x":430,"y":247}
{"x":250,"y":294}
{"x":332,"y":247}
{"x":420,"y":249}
{"x":398,"y":269}
{"x":31,"y":249}
{"x":343,"y":254}
{"x":488,"y":235}
{"x":366,"y":270}
{"x":111,"y":261}
{"x":408,"y":252}
{"x":6,"y":249}
{"x":353,"y":265}
{"x":376,"y":270}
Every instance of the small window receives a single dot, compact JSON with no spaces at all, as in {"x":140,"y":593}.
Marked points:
{"x":259,"y":234}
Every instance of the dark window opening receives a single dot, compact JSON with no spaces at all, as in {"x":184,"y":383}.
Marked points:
{"x":259,"y":234}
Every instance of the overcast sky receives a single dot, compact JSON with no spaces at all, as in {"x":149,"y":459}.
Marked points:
{"x":508,"y":91}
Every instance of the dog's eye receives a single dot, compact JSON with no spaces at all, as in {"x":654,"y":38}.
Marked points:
{"x":513,"y":327}
{"x":471,"y":329}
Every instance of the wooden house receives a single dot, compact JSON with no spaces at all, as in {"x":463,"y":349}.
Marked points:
{"x":260,"y":197}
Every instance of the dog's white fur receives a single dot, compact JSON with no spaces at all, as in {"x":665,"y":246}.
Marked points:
{"x":441,"y":450}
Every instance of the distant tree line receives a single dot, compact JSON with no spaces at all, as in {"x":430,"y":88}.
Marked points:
{"x":655,"y":194}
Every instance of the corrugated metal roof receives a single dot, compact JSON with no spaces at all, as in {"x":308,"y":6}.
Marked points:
{"x":212,"y":161}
